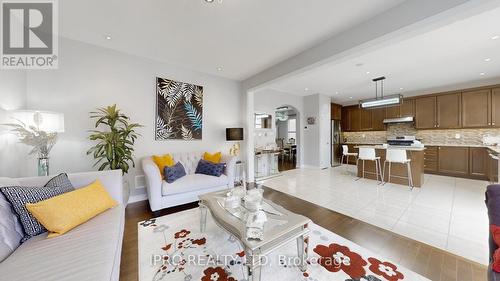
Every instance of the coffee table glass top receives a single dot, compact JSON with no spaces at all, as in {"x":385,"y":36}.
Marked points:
{"x":281,"y":222}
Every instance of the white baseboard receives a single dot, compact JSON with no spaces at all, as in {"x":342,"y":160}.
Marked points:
{"x":137,"y":198}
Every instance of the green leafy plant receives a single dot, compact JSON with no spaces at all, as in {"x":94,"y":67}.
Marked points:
{"x":115,"y":145}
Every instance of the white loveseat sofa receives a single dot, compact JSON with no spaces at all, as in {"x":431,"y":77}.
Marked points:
{"x":186,"y":189}
{"x":91,"y":251}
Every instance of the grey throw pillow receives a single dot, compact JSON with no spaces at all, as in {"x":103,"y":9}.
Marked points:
{"x":18,"y":196}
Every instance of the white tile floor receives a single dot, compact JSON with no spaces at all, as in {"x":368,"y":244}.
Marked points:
{"x":448,"y":213}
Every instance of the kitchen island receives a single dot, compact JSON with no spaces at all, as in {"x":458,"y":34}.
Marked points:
{"x":398,"y":171}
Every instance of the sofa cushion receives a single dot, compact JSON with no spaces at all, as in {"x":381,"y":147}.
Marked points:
{"x":18,"y":196}
{"x":61,"y":181}
{"x":62,"y":213}
{"x":209,"y":168}
{"x":11,"y":231}
{"x":88,"y":252}
{"x":192,"y":183}
{"x":175,"y":172}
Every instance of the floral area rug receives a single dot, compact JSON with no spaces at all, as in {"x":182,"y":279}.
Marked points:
{"x":171,"y":248}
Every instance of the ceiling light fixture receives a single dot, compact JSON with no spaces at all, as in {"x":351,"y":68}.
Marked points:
{"x":495,"y":37}
{"x":219,"y":68}
{"x":306,"y":89}
{"x":401,"y":89}
{"x":368,"y":72}
{"x":482,"y":73}
{"x":108,"y":37}
{"x":381,"y":101}
{"x":487,"y":60}
{"x":350,"y":98}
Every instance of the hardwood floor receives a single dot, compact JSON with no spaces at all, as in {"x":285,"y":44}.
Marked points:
{"x":433,"y":263}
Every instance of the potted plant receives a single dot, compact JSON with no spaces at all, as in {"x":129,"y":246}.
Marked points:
{"x":115,"y":145}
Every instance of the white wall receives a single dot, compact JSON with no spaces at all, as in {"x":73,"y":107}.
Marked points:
{"x":317,"y":136}
{"x":90,"y":77}
{"x":266,"y":101}
{"x":12,"y":96}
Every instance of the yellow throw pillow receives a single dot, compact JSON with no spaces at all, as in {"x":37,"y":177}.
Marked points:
{"x":162,"y":162}
{"x":214,"y":158}
{"x":62,"y":213}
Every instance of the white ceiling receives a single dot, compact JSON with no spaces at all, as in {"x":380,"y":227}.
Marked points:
{"x":451,"y":55}
{"x":241,"y":36}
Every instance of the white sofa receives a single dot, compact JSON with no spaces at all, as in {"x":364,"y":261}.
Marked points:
{"x":91,"y":251}
{"x":186,"y":189}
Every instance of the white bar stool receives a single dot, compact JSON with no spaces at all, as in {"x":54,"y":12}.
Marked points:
{"x":368,"y":154}
{"x":346,"y":154}
{"x":398,"y":156}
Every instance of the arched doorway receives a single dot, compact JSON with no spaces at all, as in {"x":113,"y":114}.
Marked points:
{"x":288,"y":137}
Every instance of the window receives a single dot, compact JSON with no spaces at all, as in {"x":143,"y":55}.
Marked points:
{"x":292,"y":129}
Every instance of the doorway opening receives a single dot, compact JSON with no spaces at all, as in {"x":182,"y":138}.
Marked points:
{"x":287,"y":137}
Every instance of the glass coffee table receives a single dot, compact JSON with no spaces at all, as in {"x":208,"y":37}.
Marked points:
{"x":281,"y":228}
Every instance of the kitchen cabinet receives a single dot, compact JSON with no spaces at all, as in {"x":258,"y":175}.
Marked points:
{"x":431,"y":159}
{"x":365,"y":119}
{"x":495,"y":107}
{"x":407,"y":108}
{"x":492,"y":169}
{"x":425,"y":113}
{"x":478,"y":162}
{"x":378,"y":116}
{"x":449,"y":111}
{"x":346,"y":120}
{"x":453,"y":160}
{"x":336,"y":112}
{"x":355,"y":118}
{"x":476,"y":110}
{"x":393,"y":111}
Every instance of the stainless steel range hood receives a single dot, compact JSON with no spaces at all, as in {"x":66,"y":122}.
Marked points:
{"x":398,"y":120}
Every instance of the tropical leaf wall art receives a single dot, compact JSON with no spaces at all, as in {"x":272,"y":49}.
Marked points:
{"x":179,"y":110}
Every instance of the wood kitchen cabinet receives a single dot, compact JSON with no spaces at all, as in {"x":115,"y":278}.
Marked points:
{"x":355,"y":118}
{"x":478,"y":162}
{"x":407,"y":108}
{"x":453,"y":161}
{"x":378,"y":116}
{"x":449,"y":111}
{"x":346,"y":120}
{"x":495,"y":107}
{"x":366,"y":119}
{"x":476,"y":109}
{"x":425,"y":113}
{"x":431,"y":159}
{"x":393,"y":112}
{"x":336,"y":111}
{"x":492,"y":169}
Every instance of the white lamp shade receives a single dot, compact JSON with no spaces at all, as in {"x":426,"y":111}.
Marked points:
{"x":47,"y":121}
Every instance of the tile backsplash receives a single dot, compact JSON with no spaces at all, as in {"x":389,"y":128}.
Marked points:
{"x":428,"y":137}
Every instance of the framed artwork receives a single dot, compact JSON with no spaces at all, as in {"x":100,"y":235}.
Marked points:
{"x":179,"y":110}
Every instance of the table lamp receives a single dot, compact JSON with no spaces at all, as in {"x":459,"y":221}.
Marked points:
{"x":38,"y":129}
{"x":234,"y":135}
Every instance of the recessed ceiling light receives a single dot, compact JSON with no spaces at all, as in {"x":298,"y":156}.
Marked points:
{"x":108,"y":37}
{"x":401,"y":89}
{"x":482,"y":73}
{"x":350,"y":98}
{"x":495,"y":37}
{"x":368,"y":72}
{"x":336,"y":93}
{"x":219,"y":68}
{"x":209,"y":1}
{"x":487,"y":59}
{"x":306,"y":89}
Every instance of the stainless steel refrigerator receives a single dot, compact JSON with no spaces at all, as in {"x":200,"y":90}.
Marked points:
{"x":336,"y":145}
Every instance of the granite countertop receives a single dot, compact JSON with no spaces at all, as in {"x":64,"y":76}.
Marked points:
{"x":413,"y":148}
{"x":495,"y":149}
